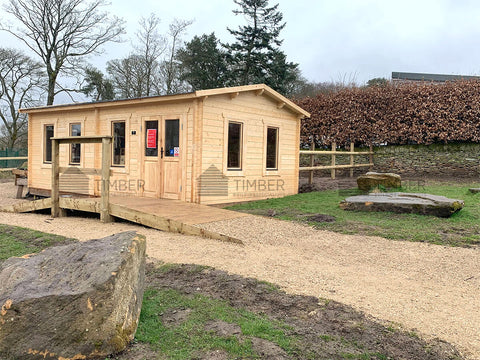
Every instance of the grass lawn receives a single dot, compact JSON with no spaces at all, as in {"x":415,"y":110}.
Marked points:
{"x":461,"y":229}
{"x":17,"y":241}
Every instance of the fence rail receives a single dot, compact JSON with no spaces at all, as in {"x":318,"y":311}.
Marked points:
{"x":333,"y":166}
{"x":12,"y":158}
{"x":8,"y":158}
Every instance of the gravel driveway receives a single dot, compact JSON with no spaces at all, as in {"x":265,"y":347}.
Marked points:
{"x":433,"y":290}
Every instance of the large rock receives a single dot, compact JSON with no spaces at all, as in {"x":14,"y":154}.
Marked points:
{"x":74,"y":302}
{"x":424,"y":204}
{"x":372,"y":180}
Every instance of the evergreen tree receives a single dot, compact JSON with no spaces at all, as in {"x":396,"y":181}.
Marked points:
{"x":98,"y":86}
{"x":203,"y":63}
{"x":256,"y":57}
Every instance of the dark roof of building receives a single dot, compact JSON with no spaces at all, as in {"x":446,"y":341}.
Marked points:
{"x":430,"y":77}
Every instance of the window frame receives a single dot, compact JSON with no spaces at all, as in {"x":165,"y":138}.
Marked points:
{"x":113,"y":143}
{"x":45,"y":140}
{"x":277,"y":150}
{"x":146,"y":149}
{"x":241,"y":145}
{"x":71,"y":162}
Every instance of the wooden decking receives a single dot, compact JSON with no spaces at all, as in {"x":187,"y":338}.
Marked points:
{"x":162,"y":214}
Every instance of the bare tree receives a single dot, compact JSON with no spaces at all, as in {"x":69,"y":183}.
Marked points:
{"x":150,"y":45}
{"x":21,"y":81}
{"x":62,"y":33}
{"x":152,"y":69}
{"x":128,"y":76}
{"x":171,"y":68}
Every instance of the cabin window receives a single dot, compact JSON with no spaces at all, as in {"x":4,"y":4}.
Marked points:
{"x":234,"y":157}
{"x":272,"y":148}
{"x":75,"y":151}
{"x":172,"y":138}
{"x":118,"y":130}
{"x":151,"y":138}
{"x":49,"y":130}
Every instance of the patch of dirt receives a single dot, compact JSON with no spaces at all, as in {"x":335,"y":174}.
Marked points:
{"x":322,"y":218}
{"x":222,"y":328}
{"x":173,"y":318}
{"x":325,"y":329}
{"x":268,"y":350}
{"x":211,"y":355}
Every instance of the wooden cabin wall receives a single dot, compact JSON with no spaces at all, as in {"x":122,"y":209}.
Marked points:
{"x":256,"y":113}
{"x":99,"y":122}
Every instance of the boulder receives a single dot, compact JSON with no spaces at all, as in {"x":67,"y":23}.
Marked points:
{"x":372,"y":179}
{"x":474,"y":190}
{"x":397,"y":202}
{"x":80,"y":301}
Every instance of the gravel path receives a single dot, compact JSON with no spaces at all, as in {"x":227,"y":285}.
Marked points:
{"x":432,"y":289}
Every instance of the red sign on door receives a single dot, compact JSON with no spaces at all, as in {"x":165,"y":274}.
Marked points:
{"x":151,"y":138}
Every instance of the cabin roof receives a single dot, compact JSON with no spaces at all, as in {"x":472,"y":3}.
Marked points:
{"x":260,"y":89}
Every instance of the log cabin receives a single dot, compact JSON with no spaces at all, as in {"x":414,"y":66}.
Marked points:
{"x":211,"y":146}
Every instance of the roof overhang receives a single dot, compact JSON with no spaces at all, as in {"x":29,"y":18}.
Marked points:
{"x":260,"y":90}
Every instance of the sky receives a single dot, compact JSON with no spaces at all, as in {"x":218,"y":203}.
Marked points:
{"x":332,"y":40}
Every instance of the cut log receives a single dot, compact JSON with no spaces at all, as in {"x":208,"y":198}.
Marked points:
{"x":397,"y":202}
{"x":79,"y":301}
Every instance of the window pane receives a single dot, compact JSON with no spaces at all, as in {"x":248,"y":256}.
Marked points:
{"x":172,"y":132}
{"x":48,"y":142}
{"x":75,"y":130}
{"x":151,"y":138}
{"x":272,"y":138}
{"x":119,"y":143}
{"x":234,"y":158}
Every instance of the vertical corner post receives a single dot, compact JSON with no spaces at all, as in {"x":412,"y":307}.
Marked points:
{"x":334,"y":160}
{"x":312,"y":162}
{"x":352,"y":149}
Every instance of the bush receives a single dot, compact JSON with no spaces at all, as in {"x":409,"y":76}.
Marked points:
{"x":409,"y":113}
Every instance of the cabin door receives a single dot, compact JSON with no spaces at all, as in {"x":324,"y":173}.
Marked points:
{"x":162,"y":173}
{"x":170,"y":154}
{"x":151,"y":162}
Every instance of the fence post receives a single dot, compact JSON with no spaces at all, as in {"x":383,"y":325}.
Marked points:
{"x":333,"y":172}
{"x":371,"y":158}
{"x":352,"y":149}
{"x":312,"y":162}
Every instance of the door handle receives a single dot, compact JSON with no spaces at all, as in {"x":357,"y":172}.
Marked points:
{"x":161,"y":153}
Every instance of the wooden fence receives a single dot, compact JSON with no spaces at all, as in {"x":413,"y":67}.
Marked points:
{"x":12,"y":158}
{"x":333,"y":166}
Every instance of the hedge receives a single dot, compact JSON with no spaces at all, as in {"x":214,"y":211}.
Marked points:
{"x":408,"y":113}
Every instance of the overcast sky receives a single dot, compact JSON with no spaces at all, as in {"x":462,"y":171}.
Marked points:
{"x":335,"y":40}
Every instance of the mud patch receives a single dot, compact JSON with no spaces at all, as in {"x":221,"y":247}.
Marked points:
{"x":325,"y":329}
{"x":321,"y":218}
{"x":175,"y":317}
{"x":268,"y":350}
{"x":222,"y":328}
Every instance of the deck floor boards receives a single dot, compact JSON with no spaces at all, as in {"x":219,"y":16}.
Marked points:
{"x":163,"y":214}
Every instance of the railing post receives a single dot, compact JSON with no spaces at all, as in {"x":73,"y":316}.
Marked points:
{"x":55,"y":193}
{"x":371,"y":158}
{"x":333,"y":171}
{"x":312,"y":162}
{"x":105,"y":216}
{"x":352,"y":149}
